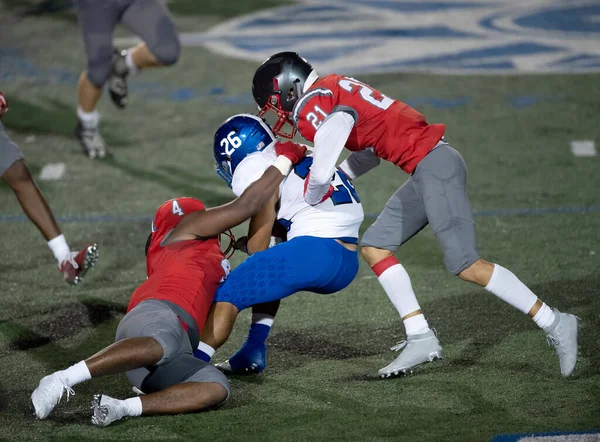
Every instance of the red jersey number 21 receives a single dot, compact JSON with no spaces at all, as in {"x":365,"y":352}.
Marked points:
{"x":316,"y":117}
{"x":366,"y":93}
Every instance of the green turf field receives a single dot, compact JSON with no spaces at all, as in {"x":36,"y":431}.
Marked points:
{"x":498,"y":376}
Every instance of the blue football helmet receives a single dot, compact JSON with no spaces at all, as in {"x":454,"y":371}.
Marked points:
{"x":236,"y":138}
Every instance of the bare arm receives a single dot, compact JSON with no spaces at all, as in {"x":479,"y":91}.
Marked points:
{"x":261,"y":226}
{"x":213,"y":221}
{"x":31,"y":199}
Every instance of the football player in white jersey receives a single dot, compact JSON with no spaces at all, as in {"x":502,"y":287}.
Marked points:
{"x":319,"y":255}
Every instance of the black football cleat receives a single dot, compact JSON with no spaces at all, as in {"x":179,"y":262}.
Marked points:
{"x":117,"y":82}
{"x":90,"y":139}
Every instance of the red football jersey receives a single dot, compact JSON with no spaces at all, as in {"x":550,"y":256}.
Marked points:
{"x":395,"y":131}
{"x":185,"y":273}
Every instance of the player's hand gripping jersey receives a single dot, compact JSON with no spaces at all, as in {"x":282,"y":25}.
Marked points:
{"x":185,"y":273}
{"x":395,"y":131}
{"x":339,"y":216}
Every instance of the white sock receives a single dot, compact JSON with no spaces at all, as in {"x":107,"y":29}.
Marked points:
{"x":415,"y":325}
{"x":133,"y":406}
{"x":60,"y":249}
{"x":206,"y":349}
{"x":396,"y":283}
{"x":133,"y":69}
{"x":545,"y":317}
{"x":89,"y":119}
{"x":506,"y":286}
{"x":76,"y":374}
{"x":262,"y":318}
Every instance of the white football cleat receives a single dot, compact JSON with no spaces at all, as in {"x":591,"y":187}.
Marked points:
{"x":48,"y":395}
{"x":137,"y":391}
{"x":418,"y":349}
{"x":563,"y":337}
{"x":106,"y":410}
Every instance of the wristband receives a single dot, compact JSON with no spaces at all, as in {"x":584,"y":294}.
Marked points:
{"x":283,"y":164}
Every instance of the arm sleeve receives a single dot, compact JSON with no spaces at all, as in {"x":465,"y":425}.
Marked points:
{"x":359,"y":163}
{"x":247,"y":172}
{"x":330,"y":139}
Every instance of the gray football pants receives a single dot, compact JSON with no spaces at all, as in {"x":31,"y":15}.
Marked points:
{"x":148,"y":19}
{"x":9,"y":151}
{"x":435,"y":194}
{"x":162,"y":321}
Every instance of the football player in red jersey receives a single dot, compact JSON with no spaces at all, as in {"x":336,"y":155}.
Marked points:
{"x":14,"y":171}
{"x":336,"y":111}
{"x":155,"y":340}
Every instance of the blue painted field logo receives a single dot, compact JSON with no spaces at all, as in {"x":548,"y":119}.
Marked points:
{"x":441,"y":36}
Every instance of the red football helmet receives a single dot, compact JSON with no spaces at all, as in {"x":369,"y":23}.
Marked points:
{"x":170,"y":213}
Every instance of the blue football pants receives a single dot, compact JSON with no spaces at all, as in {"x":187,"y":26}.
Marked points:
{"x":305,"y":263}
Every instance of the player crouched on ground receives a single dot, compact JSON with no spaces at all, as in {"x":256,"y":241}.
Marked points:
{"x":155,"y":340}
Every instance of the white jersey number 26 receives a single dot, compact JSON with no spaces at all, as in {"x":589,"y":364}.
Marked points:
{"x":231,"y":143}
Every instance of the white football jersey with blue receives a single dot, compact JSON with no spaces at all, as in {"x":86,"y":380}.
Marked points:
{"x":339,"y":216}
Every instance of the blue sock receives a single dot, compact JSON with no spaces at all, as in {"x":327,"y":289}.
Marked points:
{"x":253,"y":354}
{"x":201,"y":355}
{"x":204,"y":352}
{"x":257,"y":335}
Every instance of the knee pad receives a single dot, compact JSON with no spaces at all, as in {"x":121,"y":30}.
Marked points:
{"x":183,"y":368}
{"x":99,"y":68}
{"x":167,"y":50}
{"x":211,"y":374}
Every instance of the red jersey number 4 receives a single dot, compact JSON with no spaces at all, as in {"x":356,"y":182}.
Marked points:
{"x":177,"y":208}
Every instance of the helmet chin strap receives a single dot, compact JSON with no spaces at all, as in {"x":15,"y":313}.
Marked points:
{"x":310,"y":80}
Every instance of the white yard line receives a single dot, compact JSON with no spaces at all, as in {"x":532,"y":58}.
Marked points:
{"x":52,"y":171}
{"x":583,"y":148}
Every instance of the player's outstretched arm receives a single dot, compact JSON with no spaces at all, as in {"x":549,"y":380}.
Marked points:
{"x":330,"y":140}
{"x":19,"y":178}
{"x":261,"y":226}
{"x":214,"y":221}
